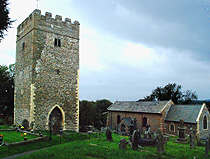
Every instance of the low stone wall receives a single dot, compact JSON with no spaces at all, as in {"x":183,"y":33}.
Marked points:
{"x":7,"y":129}
{"x":27,"y":142}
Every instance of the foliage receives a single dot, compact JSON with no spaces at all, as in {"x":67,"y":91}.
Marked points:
{"x":5,"y":21}
{"x":171,"y":91}
{"x":7,"y":92}
{"x":91,"y":113}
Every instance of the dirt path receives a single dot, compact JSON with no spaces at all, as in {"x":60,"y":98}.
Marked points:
{"x":23,"y":154}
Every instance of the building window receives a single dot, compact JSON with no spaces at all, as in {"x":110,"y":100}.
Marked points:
{"x":23,"y":45}
{"x":205,"y":122}
{"x":118,"y":119}
{"x":58,"y":71}
{"x":144,"y":121}
{"x":172,"y":127}
{"x":57,"y":42}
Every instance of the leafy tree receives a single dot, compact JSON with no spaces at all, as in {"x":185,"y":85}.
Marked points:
{"x":86,"y":114}
{"x":102,"y":106}
{"x":171,"y":91}
{"x":6,"y":92}
{"x":5,"y":21}
{"x":91,"y":113}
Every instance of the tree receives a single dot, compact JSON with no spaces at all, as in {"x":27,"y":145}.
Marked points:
{"x":171,"y":91}
{"x":102,"y":106}
{"x":5,"y":21}
{"x":91,"y":113}
{"x":6,"y":92}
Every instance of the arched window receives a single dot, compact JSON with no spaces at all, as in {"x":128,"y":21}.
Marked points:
{"x":118,"y":119}
{"x":144,"y":121}
{"x":172,"y":127}
{"x":204,"y":122}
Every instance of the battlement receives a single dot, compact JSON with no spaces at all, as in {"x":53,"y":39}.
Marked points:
{"x":37,"y":19}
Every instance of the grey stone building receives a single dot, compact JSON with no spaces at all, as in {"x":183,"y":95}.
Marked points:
{"x":195,"y":116}
{"x":47,"y":73}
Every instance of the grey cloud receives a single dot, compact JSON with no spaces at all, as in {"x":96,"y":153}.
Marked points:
{"x":180,"y":25}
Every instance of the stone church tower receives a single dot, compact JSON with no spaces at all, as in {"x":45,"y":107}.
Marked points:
{"x":47,"y":73}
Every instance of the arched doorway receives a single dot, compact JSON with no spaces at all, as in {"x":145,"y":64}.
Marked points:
{"x":25,"y":124}
{"x":55,"y":120}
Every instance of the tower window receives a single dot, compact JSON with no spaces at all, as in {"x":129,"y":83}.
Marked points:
{"x":58,"y":71}
{"x":57,"y":42}
{"x":23,"y":45}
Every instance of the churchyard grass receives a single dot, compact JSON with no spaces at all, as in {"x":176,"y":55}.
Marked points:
{"x":13,"y":136}
{"x":100,"y":148}
{"x":56,"y":140}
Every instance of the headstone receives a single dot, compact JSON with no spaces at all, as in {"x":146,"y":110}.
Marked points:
{"x":182,"y":133}
{"x":122,"y":144}
{"x":135,"y":124}
{"x":192,"y":138}
{"x":207,"y":147}
{"x":103,"y":129}
{"x":134,"y":143}
{"x":160,"y":142}
{"x":108,"y":134}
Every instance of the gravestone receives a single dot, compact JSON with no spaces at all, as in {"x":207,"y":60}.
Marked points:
{"x":192,"y":138}
{"x":182,"y":133}
{"x":160,"y":142}
{"x":207,"y":147}
{"x":108,"y":134}
{"x":122,"y":144}
{"x":134,"y":143}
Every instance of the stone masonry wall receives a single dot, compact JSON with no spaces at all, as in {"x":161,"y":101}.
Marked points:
{"x":47,"y":75}
{"x":201,"y":131}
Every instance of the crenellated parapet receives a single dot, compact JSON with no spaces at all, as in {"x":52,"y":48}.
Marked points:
{"x":46,"y":23}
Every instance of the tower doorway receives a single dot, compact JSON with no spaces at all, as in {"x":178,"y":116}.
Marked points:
{"x":55,"y":120}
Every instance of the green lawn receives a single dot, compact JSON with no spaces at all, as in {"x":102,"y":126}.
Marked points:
{"x":77,"y":145}
{"x":13,"y":136}
{"x":100,"y":148}
{"x":56,"y":140}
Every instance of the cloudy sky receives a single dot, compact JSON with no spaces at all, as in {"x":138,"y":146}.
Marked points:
{"x":129,"y":47}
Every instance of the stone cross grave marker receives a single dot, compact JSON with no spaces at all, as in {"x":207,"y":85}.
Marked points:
{"x":160,"y":142}
{"x":192,"y":138}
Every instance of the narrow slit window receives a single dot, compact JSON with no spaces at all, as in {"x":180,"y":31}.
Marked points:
{"x":59,"y":42}
{"x":58,"y":71}
{"x":23,"y":46}
{"x":55,"y":42}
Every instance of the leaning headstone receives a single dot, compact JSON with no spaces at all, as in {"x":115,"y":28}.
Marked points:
{"x":207,"y":147}
{"x":160,"y":142}
{"x":122,"y":144}
{"x":192,"y":138}
{"x":134,"y":143}
{"x":108,"y":134}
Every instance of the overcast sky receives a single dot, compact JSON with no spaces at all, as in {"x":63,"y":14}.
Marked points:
{"x":129,"y":47}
